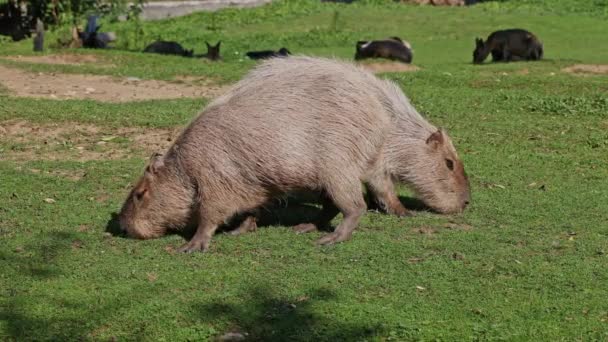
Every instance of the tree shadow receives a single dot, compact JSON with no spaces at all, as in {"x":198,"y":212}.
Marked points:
{"x":264,"y":316}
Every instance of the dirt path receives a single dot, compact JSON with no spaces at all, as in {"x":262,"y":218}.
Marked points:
{"x":62,"y":59}
{"x":26,"y":141}
{"x":100,"y":88}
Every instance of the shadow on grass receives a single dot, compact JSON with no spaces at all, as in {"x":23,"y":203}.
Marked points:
{"x":38,"y":262}
{"x":264,"y":316}
{"x":277,"y":213}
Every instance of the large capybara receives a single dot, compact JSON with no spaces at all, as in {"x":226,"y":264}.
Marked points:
{"x":293,"y":124}
{"x":393,"y":48}
{"x":168,"y":48}
{"x":508,"y":45}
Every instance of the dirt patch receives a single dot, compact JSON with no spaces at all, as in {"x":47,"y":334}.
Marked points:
{"x":598,"y":69}
{"x":25,"y":141}
{"x":389,"y":67}
{"x":64,"y":59}
{"x":100,"y":88}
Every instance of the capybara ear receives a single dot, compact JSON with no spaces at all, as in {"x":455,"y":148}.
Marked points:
{"x":436,"y":139}
{"x":208,"y":45}
{"x":156,"y":163}
{"x":218,"y":44}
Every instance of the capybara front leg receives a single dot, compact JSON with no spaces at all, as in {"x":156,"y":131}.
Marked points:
{"x":383,"y":189}
{"x":201,"y":239}
{"x":352,"y":206}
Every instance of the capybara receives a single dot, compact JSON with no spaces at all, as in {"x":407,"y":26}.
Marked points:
{"x":213,"y":52}
{"x":264,"y":54}
{"x":393,"y":48}
{"x":296,"y":124}
{"x":508,"y":45}
{"x":168,"y":48}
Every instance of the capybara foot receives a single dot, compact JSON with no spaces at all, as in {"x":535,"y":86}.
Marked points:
{"x":193,"y":246}
{"x":333,"y":238}
{"x":400,"y":211}
{"x":305,"y":228}
{"x":249,"y":225}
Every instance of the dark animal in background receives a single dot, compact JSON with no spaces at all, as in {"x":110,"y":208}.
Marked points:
{"x":264,"y":54}
{"x":14,"y":20}
{"x":92,"y":38}
{"x":39,"y":38}
{"x":393,"y":48}
{"x":168,"y":48}
{"x":293,"y":124}
{"x":508,"y":45}
{"x":213,"y":52}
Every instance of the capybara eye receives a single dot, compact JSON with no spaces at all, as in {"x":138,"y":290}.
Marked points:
{"x":450,"y":164}
{"x":140,"y":194}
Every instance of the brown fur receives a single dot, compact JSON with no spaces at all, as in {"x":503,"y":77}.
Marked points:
{"x":296,"y":123}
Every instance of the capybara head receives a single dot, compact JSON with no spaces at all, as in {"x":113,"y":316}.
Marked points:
{"x":438,"y":175}
{"x":158,"y":202}
{"x":284,"y":52}
{"x":213,"y":51}
{"x":479,"y":53}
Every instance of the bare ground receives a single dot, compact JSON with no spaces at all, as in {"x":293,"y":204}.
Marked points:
{"x":598,"y":69}
{"x":100,"y":88}
{"x":62,"y":59}
{"x":26,"y":141}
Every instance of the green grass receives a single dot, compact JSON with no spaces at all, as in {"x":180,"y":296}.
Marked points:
{"x":527,"y":261}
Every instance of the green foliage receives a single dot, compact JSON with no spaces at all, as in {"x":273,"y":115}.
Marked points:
{"x":61,"y":12}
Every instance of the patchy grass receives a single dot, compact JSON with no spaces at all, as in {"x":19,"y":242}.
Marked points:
{"x":527,"y":261}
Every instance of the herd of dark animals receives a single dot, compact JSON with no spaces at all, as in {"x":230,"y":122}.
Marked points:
{"x":504,"y":45}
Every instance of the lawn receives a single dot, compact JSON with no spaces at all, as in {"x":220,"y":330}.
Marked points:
{"x":528,"y":260}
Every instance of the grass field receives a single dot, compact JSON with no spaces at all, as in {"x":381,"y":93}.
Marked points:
{"x":527,"y":261}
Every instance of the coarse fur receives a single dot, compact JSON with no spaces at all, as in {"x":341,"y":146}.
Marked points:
{"x":168,"y":48}
{"x":292,"y":124}
{"x":508,"y":45}
{"x":392,"y":48}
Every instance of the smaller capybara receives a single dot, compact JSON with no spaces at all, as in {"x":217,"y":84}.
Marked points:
{"x":213,"y":52}
{"x":393,"y":48}
{"x":296,"y":124}
{"x":508,"y":45}
{"x":265,"y":54}
{"x":168,"y":48}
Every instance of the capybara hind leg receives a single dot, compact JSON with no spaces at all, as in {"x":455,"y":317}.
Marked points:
{"x":383,"y":190}
{"x":352,"y":205}
{"x":322,"y":221}
{"x":248,"y":225}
